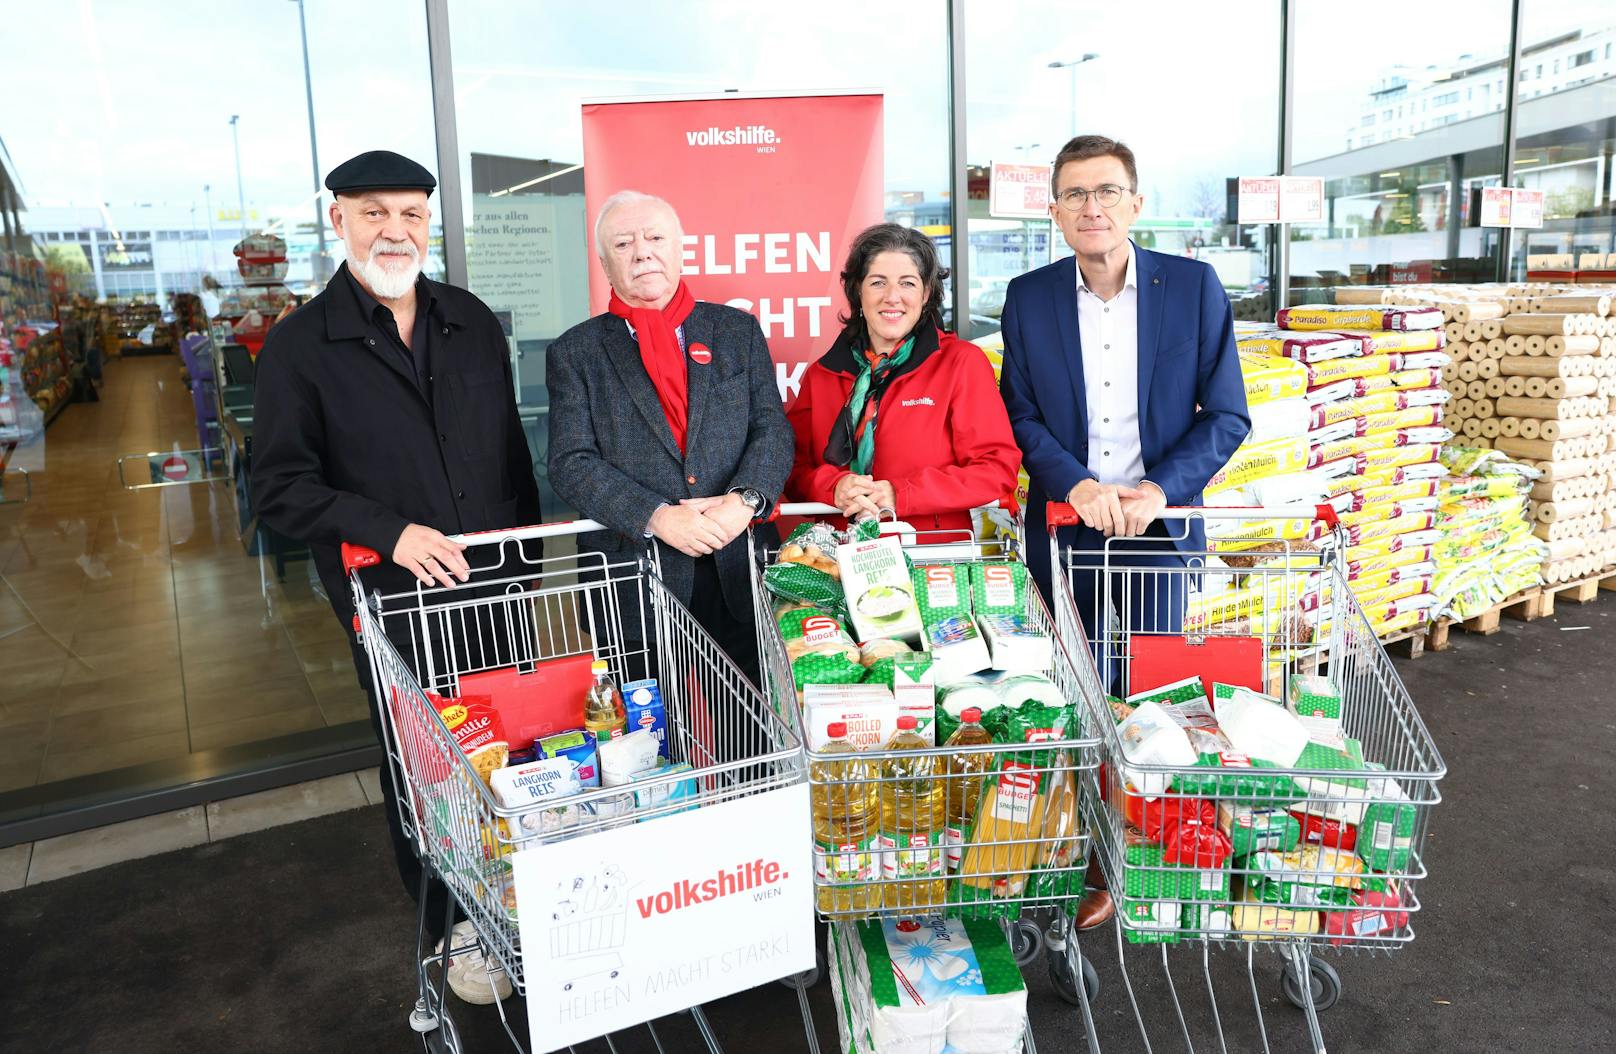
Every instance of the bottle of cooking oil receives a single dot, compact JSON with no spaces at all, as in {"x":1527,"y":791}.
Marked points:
{"x":912,"y":822}
{"x":603,"y":705}
{"x":844,"y":808}
{"x":964,"y":774}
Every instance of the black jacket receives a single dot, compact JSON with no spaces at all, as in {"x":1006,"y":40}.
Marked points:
{"x":346,"y":448}
{"x":614,"y":458}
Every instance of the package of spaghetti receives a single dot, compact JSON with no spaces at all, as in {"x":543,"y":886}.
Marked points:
{"x":1359,"y":317}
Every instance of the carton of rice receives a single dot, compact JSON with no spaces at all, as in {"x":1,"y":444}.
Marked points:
{"x":879,"y":589}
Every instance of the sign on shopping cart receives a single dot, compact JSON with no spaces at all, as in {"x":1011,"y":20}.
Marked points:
{"x":632,"y":924}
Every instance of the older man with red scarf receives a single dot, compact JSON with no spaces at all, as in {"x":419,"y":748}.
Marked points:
{"x":665,"y":423}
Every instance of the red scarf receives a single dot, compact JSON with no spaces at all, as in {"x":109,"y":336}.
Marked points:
{"x":656,"y":331}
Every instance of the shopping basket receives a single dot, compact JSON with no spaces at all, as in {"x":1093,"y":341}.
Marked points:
{"x":1321,"y":850}
{"x":520,"y":609}
{"x":1029,"y":860}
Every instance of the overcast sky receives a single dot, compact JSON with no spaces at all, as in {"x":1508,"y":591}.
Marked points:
{"x":133,"y":99}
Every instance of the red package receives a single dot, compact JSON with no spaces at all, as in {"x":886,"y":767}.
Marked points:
{"x":538,"y":704}
{"x":1154,"y":816}
{"x":477,"y":730}
{"x":1332,"y":834}
{"x":1373,"y":917}
{"x":1192,"y":843}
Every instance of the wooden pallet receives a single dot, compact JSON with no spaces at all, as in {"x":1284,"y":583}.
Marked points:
{"x":1580,"y":591}
{"x":1525,"y":606}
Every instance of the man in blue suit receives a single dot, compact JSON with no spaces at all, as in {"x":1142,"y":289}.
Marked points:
{"x":1125,"y":396}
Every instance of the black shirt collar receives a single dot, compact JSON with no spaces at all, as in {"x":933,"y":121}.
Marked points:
{"x":843,"y":357}
{"x":425,"y":301}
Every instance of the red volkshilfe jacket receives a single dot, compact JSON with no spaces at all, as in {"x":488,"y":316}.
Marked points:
{"x":942,"y":437}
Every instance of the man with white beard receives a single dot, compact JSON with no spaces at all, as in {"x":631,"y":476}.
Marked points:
{"x":385,"y":416}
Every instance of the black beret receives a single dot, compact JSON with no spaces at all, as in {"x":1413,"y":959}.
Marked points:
{"x":379,"y":170}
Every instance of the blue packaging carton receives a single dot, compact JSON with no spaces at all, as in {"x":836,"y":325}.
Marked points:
{"x":642,"y":703}
{"x":578,"y":747}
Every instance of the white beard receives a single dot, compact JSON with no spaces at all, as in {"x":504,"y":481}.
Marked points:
{"x":388,"y":283}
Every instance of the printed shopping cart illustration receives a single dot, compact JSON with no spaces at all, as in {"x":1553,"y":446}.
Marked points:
{"x":589,"y":919}
{"x":528,"y":625}
{"x":983,"y":828}
{"x":1267,"y":782}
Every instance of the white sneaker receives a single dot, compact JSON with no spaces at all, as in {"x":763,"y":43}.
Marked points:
{"x":470,"y":970}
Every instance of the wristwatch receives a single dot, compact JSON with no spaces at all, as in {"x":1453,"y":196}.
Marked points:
{"x":754,"y":501}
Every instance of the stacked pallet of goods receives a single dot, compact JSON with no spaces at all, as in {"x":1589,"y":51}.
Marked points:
{"x":1488,"y":553}
{"x":1534,"y":376}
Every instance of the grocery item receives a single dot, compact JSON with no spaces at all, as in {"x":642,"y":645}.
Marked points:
{"x":548,"y":779}
{"x":1386,"y":830}
{"x":1186,"y":690}
{"x":915,"y":694}
{"x":477,"y":731}
{"x":1258,"y":920}
{"x":1150,"y":736}
{"x":962,"y":695}
{"x":625,"y":757}
{"x":999,"y":588}
{"x":879,"y":589}
{"x":1058,"y":846}
{"x":1367,"y":316}
{"x":604,"y":716}
{"x":912,"y":823}
{"x":873,"y":651}
{"x":1261,"y":730}
{"x":805,"y":569}
{"x":643,"y":709}
{"x":819,"y":648}
{"x":926,"y":985}
{"x":1220,"y":770}
{"x":964,"y":775}
{"x":1315,"y":701}
{"x":578,"y":748}
{"x":869,"y":712}
{"x":845,"y":813}
{"x":1254,"y":829}
{"x":942,"y":591}
{"x":1151,"y":921}
{"x":1374,"y":913}
{"x":1014,"y":645}
{"x":1310,"y":875}
{"x":664,"y":797}
{"x":1321,"y":830}
{"x":956,"y":647}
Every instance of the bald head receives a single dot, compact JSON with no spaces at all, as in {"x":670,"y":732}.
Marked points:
{"x":641,"y":247}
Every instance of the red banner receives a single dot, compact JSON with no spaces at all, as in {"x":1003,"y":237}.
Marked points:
{"x":770,"y":191}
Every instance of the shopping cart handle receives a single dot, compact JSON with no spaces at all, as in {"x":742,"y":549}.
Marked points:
{"x":816,"y":508}
{"x":355,"y":557}
{"x":1062,"y":514}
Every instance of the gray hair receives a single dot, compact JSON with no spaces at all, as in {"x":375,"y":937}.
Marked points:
{"x":628,"y":197}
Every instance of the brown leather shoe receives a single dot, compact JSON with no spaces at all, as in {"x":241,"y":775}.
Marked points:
{"x":1095,"y":909}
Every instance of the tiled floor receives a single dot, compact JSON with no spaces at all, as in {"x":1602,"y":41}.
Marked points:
{"x":30,"y":864}
{"x":133,"y":625}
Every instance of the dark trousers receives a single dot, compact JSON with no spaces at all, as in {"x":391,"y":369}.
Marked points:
{"x":1139,"y":586}
{"x":735,"y":634}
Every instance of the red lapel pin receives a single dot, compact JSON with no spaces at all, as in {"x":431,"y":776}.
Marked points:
{"x":701,"y":354}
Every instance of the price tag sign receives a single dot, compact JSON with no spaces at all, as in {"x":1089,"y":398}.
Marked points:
{"x":1258,"y":199}
{"x":1496,"y":206}
{"x":1526,"y":210}
{"x":1019,"y":192}
{"x":1301,"y":199}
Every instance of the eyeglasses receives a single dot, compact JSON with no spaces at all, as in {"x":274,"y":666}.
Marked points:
{"x":1107,"y":194}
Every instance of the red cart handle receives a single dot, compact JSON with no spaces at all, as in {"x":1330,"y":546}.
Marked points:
{"x":1062,"y":514}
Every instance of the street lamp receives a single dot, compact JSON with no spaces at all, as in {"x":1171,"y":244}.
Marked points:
{"x":1024,"y":148}
{"x":241,"y":193}
{"x":1072,"y":65}
{"x":314,"y":153}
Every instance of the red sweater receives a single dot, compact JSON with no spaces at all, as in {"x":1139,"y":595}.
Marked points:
{"x":942,"y":437}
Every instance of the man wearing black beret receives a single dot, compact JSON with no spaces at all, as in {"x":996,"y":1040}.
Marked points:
{"x":385,"y":416}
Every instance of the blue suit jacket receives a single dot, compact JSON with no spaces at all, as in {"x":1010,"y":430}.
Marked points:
{"x":1192,"y":400}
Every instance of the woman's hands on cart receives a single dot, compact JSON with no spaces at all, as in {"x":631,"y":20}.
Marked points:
{"x":858,"y":495}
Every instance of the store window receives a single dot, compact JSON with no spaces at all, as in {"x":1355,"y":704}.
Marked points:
{"x":1398,"y":210}
{"x":156,"y":626}
{"x":521,"y":75}
{"x":1565,"y":146}
{"x":1059,"y":68}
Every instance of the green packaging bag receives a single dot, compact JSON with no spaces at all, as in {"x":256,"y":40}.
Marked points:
{"x":1184,"y":691}
{"x":999,"y":587}
{"x":1386,"y":835}
{"x":1311,"y":695}
{"x":1254,"y":829}
{"x":1152,"y":921}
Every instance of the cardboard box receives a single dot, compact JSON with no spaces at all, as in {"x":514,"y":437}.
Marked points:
{"x":869,"y":710}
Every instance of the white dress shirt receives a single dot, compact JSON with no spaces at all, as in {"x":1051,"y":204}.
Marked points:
{"x":1109,"y":331}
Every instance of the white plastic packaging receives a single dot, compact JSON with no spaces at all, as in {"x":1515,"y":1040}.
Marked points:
{"x":1259,"y":728}
{"x":1150,"y":736}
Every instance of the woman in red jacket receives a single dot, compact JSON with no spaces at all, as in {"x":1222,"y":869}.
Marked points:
{"x":899,"y":416}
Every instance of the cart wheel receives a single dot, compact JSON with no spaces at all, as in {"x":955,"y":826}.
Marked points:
{"x":445,"y":1039}
{"x":1326,"y":984}
{"x":1060,"y":975}
{"x":1026,"y":941}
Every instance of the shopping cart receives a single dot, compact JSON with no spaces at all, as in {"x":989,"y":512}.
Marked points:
{"x":1323,"y":855}
{"x":1025,"y":868}
{"x":519,"y":609}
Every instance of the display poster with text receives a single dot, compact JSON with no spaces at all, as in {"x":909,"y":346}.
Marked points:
{"x":771,"y":191}
{"x":642,"y":921}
